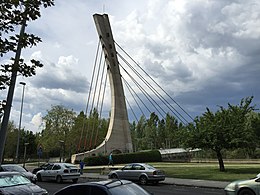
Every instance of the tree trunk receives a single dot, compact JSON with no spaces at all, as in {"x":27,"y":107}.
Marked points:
{"x":220,"y":161}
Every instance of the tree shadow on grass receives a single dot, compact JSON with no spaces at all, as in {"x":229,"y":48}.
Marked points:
{"x":243,"y":170}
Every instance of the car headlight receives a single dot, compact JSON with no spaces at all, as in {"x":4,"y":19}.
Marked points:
{"x":44,"y":192}
{"x":231,"y":187}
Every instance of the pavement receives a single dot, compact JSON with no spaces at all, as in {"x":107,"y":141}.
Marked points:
{"x":168,"y":180}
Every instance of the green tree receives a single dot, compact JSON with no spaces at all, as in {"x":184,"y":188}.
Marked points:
{"x":225,"y":129}
{"x":253,"y":126}
{"x":30,"y":138}
{"x":15,"y":14}
{"x":151,"y":131}
{"x":59,"y":121}
{"x":11,"y":140}
{"x":171,"y":130}
{"x":162,"y":136}
{"x":25,"y":137}
{"x":140,"y":134}
{"x":77,"y":134}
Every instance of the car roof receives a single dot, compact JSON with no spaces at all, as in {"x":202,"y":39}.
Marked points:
{"x":58,"y":163}
{"x":3,"y":173}
{"x":143,"y":164}
{"x":5,"y":165}
{"x":110,"y":183}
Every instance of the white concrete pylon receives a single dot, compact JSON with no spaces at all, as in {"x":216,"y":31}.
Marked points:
{"x":118,"y":135}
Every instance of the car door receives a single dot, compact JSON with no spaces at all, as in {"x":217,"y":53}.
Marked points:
{"x":137,"y":170}
{"x":125,"y":172}
{"x":45,"y":174}
{"x":55,"y":171}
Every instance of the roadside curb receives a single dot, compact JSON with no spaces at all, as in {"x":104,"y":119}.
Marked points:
{"x":172,"y":181}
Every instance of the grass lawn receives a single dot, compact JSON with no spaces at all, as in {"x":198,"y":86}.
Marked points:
{"x":209,"y":171}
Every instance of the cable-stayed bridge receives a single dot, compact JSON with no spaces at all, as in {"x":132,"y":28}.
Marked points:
{"x":131,"y":89}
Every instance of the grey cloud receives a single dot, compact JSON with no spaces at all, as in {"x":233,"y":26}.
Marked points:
{"x":60,"y":77}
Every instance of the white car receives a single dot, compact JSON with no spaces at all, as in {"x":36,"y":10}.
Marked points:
{"x":59,"y":172}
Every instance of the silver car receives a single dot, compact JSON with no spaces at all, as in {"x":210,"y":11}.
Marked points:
{"x":244,"y":187}
{"x":59,"y":172}
{"x":141,"y":172}
{"x":16,"y":183}
{"x":17,"y":168}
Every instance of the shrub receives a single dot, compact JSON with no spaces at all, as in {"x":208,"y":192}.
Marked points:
{"x":145,"y":156}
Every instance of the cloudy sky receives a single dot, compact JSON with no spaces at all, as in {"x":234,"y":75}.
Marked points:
{"x":204,"y":53}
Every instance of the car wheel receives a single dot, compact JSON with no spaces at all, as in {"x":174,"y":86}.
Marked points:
{"x":58,"y":179}
{"x":39,"y":177}
{"x":114,"y":176}
{"x":75,"y":180}
{"x":246,"y":192}
{"x":143,"y":180}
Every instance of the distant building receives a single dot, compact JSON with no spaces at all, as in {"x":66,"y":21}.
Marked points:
{"x":177,"y":154}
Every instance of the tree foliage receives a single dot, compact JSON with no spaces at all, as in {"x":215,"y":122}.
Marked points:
{"x":153,"y":133}
{"x":59,"y":122}
{"x":225,"y":129}
{"x":78,"y":132}
{"x":25,"y":137}
{"x":13,"y":15}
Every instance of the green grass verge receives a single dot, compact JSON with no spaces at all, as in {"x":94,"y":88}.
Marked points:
{"x":209,"y":171}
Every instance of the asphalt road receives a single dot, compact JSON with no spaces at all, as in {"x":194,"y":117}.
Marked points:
{"x":160,"y":189}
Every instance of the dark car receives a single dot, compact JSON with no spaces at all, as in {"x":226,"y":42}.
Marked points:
{"x":16,"y":183}
{"x":17,"y":168}
{"x":41,"y":167}
{"x":141,"y":172}
{"x":107,"y":187}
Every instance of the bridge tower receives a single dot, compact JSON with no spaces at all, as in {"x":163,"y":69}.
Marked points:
{"x":118,"y":135}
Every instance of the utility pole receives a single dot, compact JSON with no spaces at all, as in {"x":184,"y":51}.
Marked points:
{"x":7,"y":109}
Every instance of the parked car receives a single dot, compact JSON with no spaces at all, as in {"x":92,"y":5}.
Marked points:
{"x":106,"y":187}
{"x":41,"y":167}
{"x":141,"y":172}
{"x":244,"y":187}
{"x":59,"y":172}
{"x":16,"y":183}
{"x":17,"y":168}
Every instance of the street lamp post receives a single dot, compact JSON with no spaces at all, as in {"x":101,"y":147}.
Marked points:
{"x":24,"y":155}
{"x":20,"y":121}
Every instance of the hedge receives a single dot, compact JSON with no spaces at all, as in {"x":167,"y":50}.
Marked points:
{"x":137,"y":157}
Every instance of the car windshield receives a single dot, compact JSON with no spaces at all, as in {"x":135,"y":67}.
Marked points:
{"x":12,"y":180}
{"x":45,"y":165}
{"x":128,"y":189}
{"x":14,"y":168}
